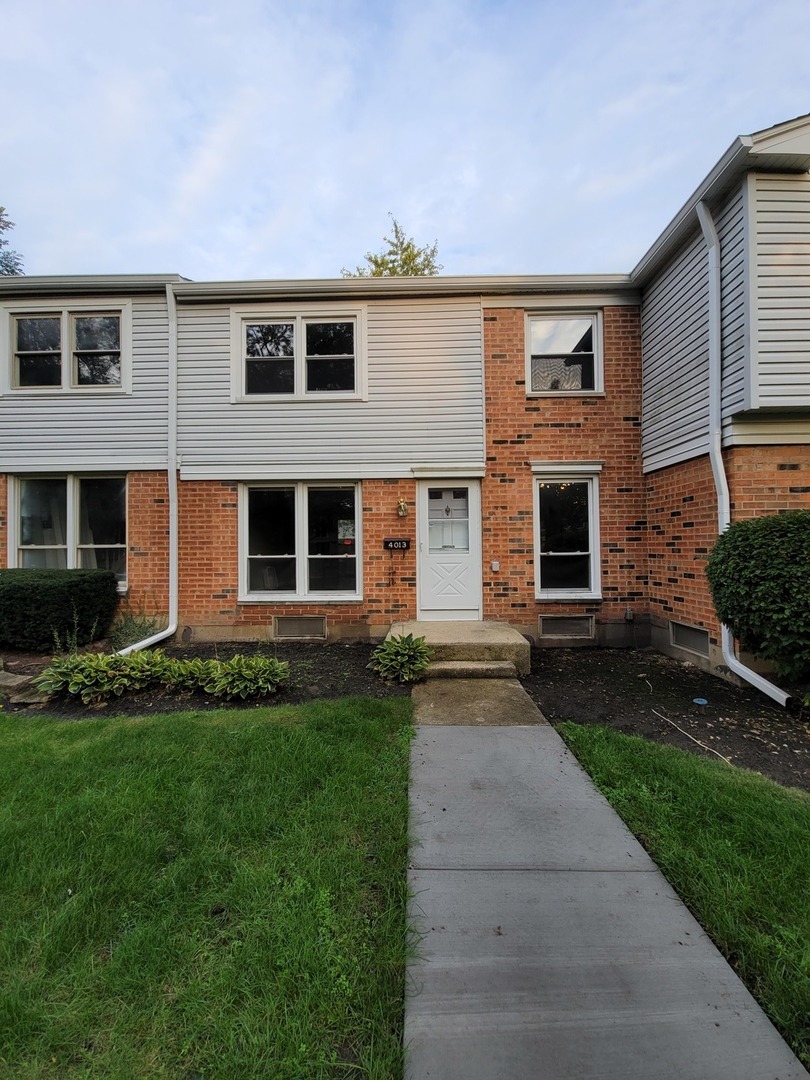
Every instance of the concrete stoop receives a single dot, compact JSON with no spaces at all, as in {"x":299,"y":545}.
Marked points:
{"x":470,"y":643}
{"x":471,"y":669}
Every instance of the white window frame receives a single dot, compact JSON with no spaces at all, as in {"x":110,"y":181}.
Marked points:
{"x":72,"y":516}
{"x":65,"y":312}
{"x":567,"y":315}
{"x":300,"y":487}
{"x":299,"y":316}
{"x":559,"y":472}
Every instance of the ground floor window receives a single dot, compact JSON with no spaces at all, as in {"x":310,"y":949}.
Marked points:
{"x":300,"y":540}
{"x":71,"y":521}
{"x":566,"y":512}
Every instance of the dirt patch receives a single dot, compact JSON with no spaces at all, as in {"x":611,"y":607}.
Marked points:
{"x":645,"y":693}
{"x":639,"y":693}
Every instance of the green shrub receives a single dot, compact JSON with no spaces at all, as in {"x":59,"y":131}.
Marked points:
{"x":759,"y":575}
{"x":403,"y":658}
{"x":38,"y":606}
{"x":97,"y":677}
{"x":247,"y":676}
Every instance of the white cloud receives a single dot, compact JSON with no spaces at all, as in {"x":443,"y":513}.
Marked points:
{"x":259,"y":138}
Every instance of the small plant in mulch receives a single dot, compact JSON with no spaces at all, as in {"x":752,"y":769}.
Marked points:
{"x":402,"y":658}
{"x":98,"y":677}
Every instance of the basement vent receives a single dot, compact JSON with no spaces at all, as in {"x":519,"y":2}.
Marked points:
{"x":689,"y":637}
{"x":301,"y":627}
{"x":566,"y":626}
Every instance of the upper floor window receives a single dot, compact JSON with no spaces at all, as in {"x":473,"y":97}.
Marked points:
{"x":77,"y":349}
{"x":563,"y":354}
{"x":298,"y":356}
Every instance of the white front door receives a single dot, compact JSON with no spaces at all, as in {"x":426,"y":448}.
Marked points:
{"x":449,"y":567}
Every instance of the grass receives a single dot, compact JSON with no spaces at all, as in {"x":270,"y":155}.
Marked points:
{"x":205,"y":895}
{"x":735,"y":846}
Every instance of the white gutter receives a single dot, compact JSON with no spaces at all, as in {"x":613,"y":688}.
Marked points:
{"x":171,"y":465}
{"x":716,"y":440}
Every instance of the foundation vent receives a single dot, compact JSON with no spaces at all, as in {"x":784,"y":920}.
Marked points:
{"x":567,"y":626}
{"x":300,"y":627}
{"x":692,"y":638}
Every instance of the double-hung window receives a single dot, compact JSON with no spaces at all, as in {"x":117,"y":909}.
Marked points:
{"x":300,"y":540}
{"x":566,"y":514}
{"x":81,"y":348}
{"x":298,"y":356}
{"x":563,"y":353}
{"x":71,"y":521}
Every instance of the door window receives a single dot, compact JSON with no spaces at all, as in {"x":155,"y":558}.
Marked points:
{"x":448,"y":520}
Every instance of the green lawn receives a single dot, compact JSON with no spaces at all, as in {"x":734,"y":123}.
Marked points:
{"x":202,"y":895}
{"x":737,"y":849}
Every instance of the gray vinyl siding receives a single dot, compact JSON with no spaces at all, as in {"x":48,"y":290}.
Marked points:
{"x":59,"y":431}
{"x":424,"y":402}
{"x":730,"y":223}
{"x":781,"y":254}
{"x":675,"y":348}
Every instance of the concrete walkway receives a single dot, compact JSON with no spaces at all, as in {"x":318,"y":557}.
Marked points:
{"x":551,"y":946}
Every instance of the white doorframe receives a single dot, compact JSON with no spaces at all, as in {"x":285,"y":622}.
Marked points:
{"x":448,"y":571}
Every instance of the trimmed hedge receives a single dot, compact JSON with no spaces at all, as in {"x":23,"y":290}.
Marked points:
{"x":76,"y":606}
{"x":759,"y":575}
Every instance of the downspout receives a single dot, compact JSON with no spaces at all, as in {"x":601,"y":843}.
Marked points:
{"x":171,"y":467}
{"x":716,"y":441}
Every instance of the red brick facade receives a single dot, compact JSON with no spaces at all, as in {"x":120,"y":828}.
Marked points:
{"x":148,"y":542}
{"x":209,"y":564}
{"x":682,"y":514}
{"x":522,"y":430}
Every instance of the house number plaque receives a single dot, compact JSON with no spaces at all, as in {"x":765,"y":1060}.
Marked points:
{"x":397,"y":543}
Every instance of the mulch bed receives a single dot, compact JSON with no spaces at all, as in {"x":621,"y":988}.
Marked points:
{"x":636,"y":692}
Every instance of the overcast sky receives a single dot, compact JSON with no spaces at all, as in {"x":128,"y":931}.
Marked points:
{"x":227,"y":139}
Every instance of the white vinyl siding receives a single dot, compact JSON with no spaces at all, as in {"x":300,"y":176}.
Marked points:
{"x":675,"y":348}
{"x":46,"y":430}
{"x":730,"y":222}
{"x":781,"y":291}
{"x":423,"y":407}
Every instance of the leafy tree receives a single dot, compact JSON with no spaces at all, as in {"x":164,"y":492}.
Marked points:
{"x":402,"y":258}
{"x":759,"y":576}
{"x":10,"y":261}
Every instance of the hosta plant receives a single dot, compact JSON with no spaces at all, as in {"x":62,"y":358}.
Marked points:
{"x":248,"y":676}
{"x":403,"y":658}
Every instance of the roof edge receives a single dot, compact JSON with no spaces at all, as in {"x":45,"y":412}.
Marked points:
{"x":402,"y":287}
{"x":84,"y":284}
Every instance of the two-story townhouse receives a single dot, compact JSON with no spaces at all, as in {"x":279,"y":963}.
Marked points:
{"x":321,"y":458}
{"x":84,"y":427}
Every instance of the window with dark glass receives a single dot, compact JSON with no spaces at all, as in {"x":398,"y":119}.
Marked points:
{"x":302,"y":539}
{"x":565,"y":536}
{"x":300,"y":356}
{"x":270,"y":358}
{"x":38,"y":351}
{"x":330,"y":356}
{"x":73,"y":521}
{"x":562,"y":355}
{"x":44,"y":359}
{"x":96,"y":350}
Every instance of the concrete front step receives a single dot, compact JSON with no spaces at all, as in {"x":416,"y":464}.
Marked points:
{"x":470,"y":641}
{"x":471,"y":669}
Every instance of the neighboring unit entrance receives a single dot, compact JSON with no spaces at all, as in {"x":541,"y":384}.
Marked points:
{"x":449,"y":565}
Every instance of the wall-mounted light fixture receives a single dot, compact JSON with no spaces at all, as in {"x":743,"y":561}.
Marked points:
{"x":402,"y":508}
